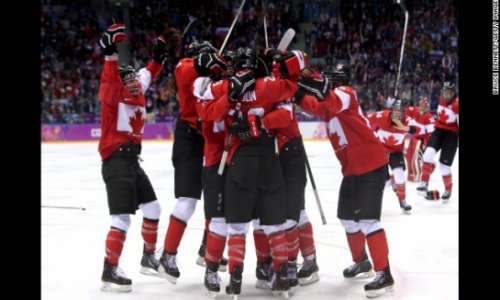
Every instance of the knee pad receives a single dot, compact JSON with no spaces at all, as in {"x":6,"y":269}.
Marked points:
{"x":350,"y":226}
{"x":151,"y":210}
{"x":429,"y":154}
{"x":304,"y":218}
{"x":121,"y":222}
{"x":238,"y":228}
{"x":256,"y":224}
{"x":399,"y":175}
{"x":369,"y":226}
{"x":270,"y":229}
{"x":445,"y":170}
{"x":289,"y":224}
{"x":184,"y":208}
{"x":218,"y":226}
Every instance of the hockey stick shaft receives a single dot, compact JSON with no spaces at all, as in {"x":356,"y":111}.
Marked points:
{"x":264,"y":6}
{"x":189,"y":27}
{"x":227,"y":146}
{"x":407,"y":15}
{"x":313,"y":184}
{"x":232,"y":26}
{"x":63,"y":207}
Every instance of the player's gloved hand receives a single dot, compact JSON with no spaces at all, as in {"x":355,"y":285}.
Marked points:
{"x":316,"y":87}
{"x":240,"y":128}
{"x":209,"y":64}
{"x":160,"y":50}
{"x":240,"y":83}
{"x":292,"y":63}
{"x":114,"y":34}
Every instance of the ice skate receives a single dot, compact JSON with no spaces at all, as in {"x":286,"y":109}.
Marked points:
{"x":422,"y":188}
{"x":363,"y":267}
{"x":279,"y":282}
{"x":262,"y":274}
{"x":234,"y":287}
{"x":114,"y":280}
{"x":405,"y":207}
{"x":382,"y":283}
{"x":212,"y":279}
{"x":446,"y":196}
{"x":149,"y":264}
{"x":308,"y":272}
{"x":168,"y":268}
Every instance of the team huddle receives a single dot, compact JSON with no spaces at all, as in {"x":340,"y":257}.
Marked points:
{"x":237,"y":142}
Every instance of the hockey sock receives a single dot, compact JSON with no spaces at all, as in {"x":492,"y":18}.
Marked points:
{"x":306,"y":241}
{"x":174,"y":235}
{"x":215,"y":247}
{"x":379,"y":250}
{"x":277,"y":243}
{"x":356,"y":243}
{"x":149,"y":233}
{"x":114,"y":245}
{"x":261,"y":245}
{"x":236,"y":251}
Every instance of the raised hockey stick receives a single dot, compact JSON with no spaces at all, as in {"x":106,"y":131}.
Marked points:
{"x":286,"y":39}
{"x":232,"y":26}
{"x":407,"y":16}
{"x":190,"y":26}
{"x":264,"y":7}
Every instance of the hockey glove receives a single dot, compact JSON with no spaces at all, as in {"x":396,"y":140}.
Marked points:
{"x":159,"y":50}
{"x":241,"y":129}
{"x":240,"y":83}
{"x":292,"y":63}
{"x":114,"y":34}
{"x":317,"y":87}
{"x":207,"y":64}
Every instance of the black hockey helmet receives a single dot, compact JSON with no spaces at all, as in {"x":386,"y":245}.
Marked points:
{"x":339,"y":74}
{"x":398,"y":110}
{"x":129,"y":78}
{"x":448,"y":91}
{"x":197,"y":47}
{"x":245,"y":58}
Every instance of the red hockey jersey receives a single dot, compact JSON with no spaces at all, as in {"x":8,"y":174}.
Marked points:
{"x":267,"y":92}
{"x":122,"y":114}
{"x":392,"y":138}
{"x":185,"y":75}
{"x":447,"y":115}
{"x":354,"y":142}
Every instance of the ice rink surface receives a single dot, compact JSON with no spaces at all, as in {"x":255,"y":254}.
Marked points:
{"x":423,"y":246}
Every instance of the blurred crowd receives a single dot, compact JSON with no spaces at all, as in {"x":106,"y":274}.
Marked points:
{"x":367,"y":34}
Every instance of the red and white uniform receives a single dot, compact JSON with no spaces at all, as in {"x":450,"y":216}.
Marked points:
{"x":267,"y":92}
{"x":418,"y":141}
{"x":185,"y":75}
{"x":392,"y":138}
{"x":354,"y":142}
{"x":211,"y":111}
{"x":447,"y":115}
{"x":122,"y":114}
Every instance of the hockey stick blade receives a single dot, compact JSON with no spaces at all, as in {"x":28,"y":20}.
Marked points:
{"x":286,"y":39}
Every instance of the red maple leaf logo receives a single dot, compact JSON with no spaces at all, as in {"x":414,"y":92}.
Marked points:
{"x":136,"y":122}
{"x":335,"y":139}
{"x":390,"y":141}
{"x":442,"y":116}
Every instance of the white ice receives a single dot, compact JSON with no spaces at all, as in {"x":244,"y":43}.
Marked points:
{"x":423,"y":246}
